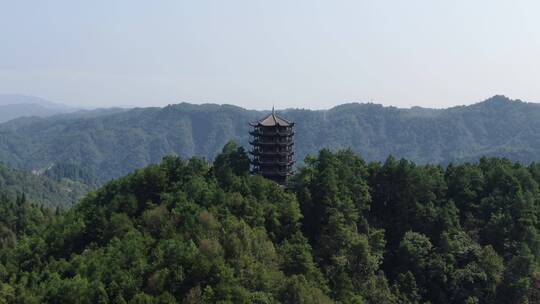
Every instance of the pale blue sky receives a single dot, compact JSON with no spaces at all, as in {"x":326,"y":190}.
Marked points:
{"x":311,"y":54}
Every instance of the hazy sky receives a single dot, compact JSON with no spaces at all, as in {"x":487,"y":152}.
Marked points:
{"x":312,"y":54}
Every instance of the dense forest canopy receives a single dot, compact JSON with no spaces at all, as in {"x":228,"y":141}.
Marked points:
{"x":110,"y":144}
{"x":343,"y":231}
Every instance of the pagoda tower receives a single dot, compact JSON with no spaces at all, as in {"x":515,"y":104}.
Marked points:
{"x":272,"y":147}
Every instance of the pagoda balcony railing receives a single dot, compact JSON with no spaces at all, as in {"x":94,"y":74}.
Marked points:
{"x":270,"y":163}
{"x":271,"y":133}
{"x":259,"y":152}
{"x":271,"y":172}
{"x":271,"y":143}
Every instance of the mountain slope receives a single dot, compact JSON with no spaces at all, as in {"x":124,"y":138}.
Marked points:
{"x":112,"y":145}
{"x":45,"y":190}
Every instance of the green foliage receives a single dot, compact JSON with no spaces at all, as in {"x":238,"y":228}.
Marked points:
{"x":41,"y":189}
{"x":342,"y":231}
{"x":60,"y":172}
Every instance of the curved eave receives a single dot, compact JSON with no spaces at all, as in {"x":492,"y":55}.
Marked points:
{"x":256,"y":133}
{"x":258,"y":143}
{"x":258,"y":124}
{"x":259,"y":163}
{"x":271,"y":173}
{"x":271,"y":153}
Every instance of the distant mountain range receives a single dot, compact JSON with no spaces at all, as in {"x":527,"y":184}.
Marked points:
{"x":15,"y":106}
{"x":111,"y":143}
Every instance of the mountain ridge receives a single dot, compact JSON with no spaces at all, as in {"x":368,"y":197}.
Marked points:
{"x":117,"y":143}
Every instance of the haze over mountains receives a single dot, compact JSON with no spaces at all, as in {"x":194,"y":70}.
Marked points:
{"x":111,"y":143}
{"x":13,"y":106}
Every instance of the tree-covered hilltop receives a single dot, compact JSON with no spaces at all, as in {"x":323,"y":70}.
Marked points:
{"x":344,"y":231}
{"x":58,"y":187}
{"x":112,"y":144}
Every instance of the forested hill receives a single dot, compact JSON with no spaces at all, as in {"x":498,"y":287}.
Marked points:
{"x":59,"y":186}
{"x":111,"y":145}
{"x":345,"y":231}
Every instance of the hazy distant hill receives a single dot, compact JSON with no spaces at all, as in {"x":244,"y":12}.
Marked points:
{"x":14,"y":106}
{"x":113,"y":144}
